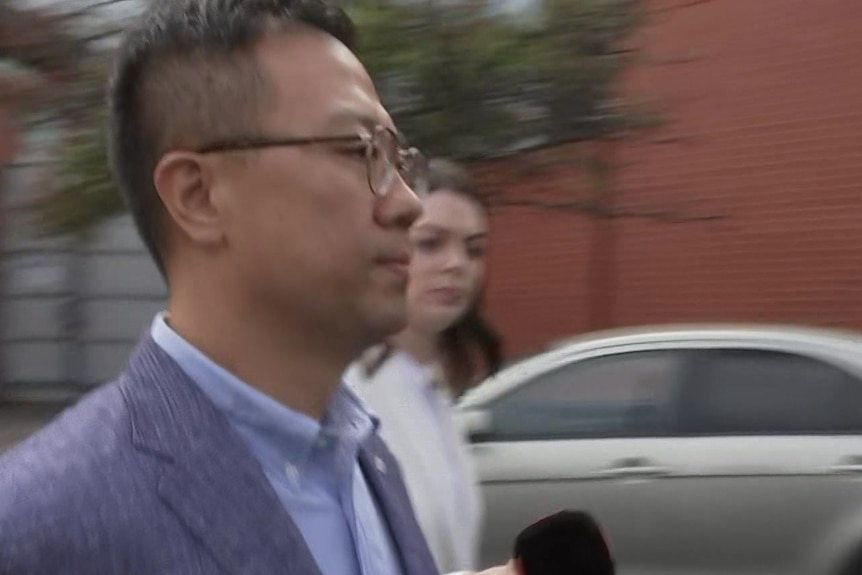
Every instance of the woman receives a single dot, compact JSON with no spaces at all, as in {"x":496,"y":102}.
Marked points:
{"x":411,"y":381}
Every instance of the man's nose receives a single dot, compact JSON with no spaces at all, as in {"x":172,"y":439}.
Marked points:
{"x":399,"y":208}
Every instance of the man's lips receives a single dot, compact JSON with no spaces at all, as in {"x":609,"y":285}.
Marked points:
{"x":397,"y":263}
{"x":397,"y":259}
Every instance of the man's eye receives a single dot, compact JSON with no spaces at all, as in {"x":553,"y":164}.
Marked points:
{"x":354,"y":149}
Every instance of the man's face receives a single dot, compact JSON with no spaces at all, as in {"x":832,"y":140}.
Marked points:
{"x":309,"y":238}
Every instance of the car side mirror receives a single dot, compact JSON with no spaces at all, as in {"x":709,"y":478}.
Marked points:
{"x":476,"y":425}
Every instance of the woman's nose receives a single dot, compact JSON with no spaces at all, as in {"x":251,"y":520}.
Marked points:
{"x":456,"y":258}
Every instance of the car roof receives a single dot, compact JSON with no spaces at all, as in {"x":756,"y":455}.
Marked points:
{"x":664,"y":332}
{"x":557,"y":352}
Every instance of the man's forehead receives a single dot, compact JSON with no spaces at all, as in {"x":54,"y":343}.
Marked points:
{"x":326,"y":77}
{"x":350,"y":116}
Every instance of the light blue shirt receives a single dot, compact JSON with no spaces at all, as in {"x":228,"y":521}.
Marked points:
{"x":313,"y":467}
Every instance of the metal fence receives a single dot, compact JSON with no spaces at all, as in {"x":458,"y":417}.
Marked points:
{"x":71,"y":311}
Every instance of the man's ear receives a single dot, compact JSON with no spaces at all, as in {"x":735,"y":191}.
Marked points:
{"x":184,"y":183}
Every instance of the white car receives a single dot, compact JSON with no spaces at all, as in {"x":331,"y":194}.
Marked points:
{"x":712,"y":450}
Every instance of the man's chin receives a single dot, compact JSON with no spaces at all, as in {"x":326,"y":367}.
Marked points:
{"x":388,"y":322}
{"x":394,"y":325}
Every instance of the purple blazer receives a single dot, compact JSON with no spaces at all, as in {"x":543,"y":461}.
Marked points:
{"x":144,"y":476}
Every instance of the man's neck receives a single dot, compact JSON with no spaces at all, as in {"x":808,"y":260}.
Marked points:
{"x":290,"y":365}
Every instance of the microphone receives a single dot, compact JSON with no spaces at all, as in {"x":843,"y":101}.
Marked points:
{"x":566,"y":543}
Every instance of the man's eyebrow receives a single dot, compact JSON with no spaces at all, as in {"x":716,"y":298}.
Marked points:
{"x":351,"y":118}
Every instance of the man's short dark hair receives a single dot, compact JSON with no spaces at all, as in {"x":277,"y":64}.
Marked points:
{"x":186,"y":75}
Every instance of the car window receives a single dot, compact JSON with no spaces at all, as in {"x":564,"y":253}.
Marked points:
{"x":767,"y":392}
{"x":616,"y":395}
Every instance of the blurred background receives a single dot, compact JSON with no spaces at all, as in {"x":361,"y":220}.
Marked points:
{"x":648,"y":161}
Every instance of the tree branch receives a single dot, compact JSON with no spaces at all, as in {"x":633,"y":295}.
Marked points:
{"x":595,"y":209}
{"x":681,"y":6}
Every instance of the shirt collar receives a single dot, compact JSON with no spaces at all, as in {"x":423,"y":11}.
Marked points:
{"x":292,"y":433}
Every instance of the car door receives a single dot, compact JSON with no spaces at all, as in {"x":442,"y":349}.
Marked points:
{"x":571,"y":438}
{"x":767,"y":467}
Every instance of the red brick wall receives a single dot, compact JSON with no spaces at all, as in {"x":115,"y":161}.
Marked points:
{"x":762,"y":103}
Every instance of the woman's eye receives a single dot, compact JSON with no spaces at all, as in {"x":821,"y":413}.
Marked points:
{"x":427,"y":244}
{"x":476,"y":251}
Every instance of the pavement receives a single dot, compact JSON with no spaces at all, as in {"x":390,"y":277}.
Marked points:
{"x":20,"y":420}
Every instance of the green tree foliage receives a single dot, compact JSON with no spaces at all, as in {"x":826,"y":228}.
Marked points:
{"x":58,"y":46}
{"x":86,"y":193}
{"x":449,"y":75}
{"x":461,"y":79}
{"x":465,"y":80}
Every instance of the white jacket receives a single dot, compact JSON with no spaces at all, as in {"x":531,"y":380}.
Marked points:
{"x":417,"y":425}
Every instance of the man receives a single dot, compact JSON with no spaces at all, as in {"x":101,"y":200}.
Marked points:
{"x":268,"y":183}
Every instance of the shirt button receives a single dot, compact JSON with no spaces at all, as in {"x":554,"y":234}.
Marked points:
{"x":291,"y":471}
{"x":380,"y":465}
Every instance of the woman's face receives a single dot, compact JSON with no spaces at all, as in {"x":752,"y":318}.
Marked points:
{"x":448,"y":264}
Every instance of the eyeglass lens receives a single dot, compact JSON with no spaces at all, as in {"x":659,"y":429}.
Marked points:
{"x":388,"y":161}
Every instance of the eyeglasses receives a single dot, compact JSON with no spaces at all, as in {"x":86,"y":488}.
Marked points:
{"x":386,"y":157}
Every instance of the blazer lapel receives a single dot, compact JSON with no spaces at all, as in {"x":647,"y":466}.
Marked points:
{"x":384,"y":478}
{"x":210,"y":479}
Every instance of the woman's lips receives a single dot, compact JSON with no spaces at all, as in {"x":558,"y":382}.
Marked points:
{"x":447,"y":296}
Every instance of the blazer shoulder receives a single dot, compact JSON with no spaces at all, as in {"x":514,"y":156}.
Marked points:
{"x":61,"y":488}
